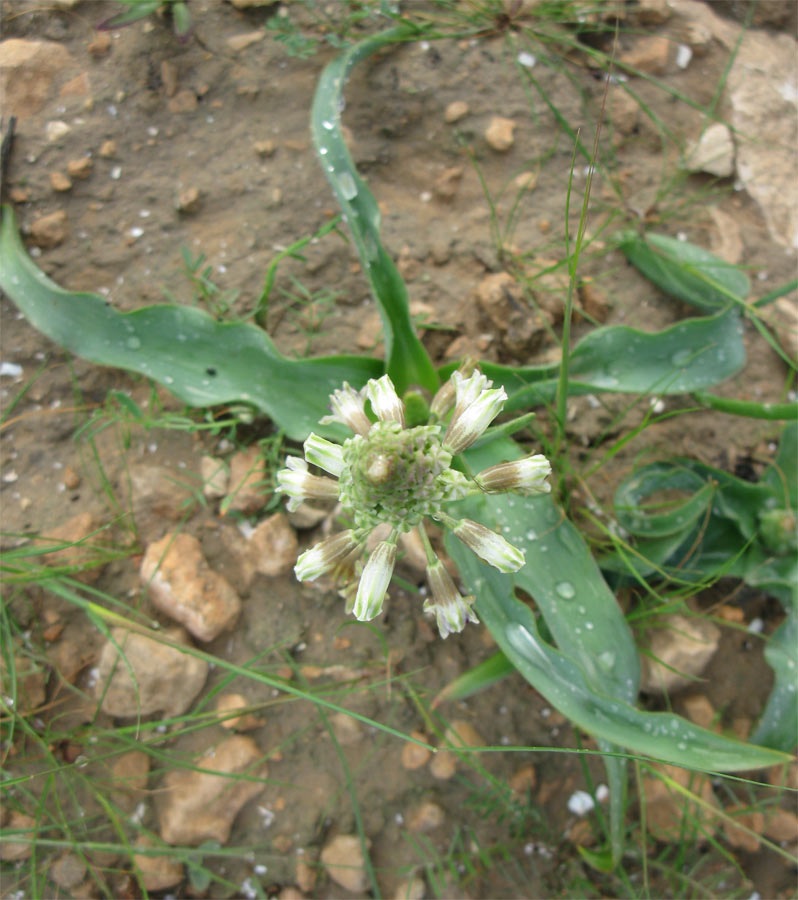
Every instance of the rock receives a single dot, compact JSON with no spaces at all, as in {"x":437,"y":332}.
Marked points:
{"x":624,"y":110}
{"x":246,"y":722}
{"x":425,"y":817}
{"x":56,"y":130}
{"x":348,"y":731}
{"x":679,"y":652}
{"x":189,"y":201}
{"x":653,"y":12}
{"x":72,"y":479}
{"x":370,"y":331}
{"x":595,"y":303}
{"x":411,"y":889}
{"x":738,"y":828}
{"x":342,"y":858}
{"x":499,"y":134}
{"x":30,"y":680}
{"x":158,"y":493}
{"x":264,"y":148}
{"x":215,"y":477}
{"x":156,"y":872}
{"x":446,"y":184}
{"x":108,"y":149}
{"x":649,"y":54}
{"x":11,"y":850}
{"x":502,"y":300}
{"x":80,"y":168}
{"x":182,"y":585}
{"x":699,"y":709}
{"x":713,"y":152}
{"x":99,"y":45}
{"x":526,"y":181}
{"x":129,"y":773}
{"x":197,"y":806}
{"x":50,"y":230}
{"x":413,"y":755}
{"x":781,"y":825}
{"x":667,"y":810}
{"x":455,"y":111}
{"x":27,"y":71}
{"x":726,"y":240}
{"x":68,"y":870}
{"x":81,"y":556}
{"x":306,"y":876}
{"x":273,"y":546}
{"x":247,"y":477}
{"x":169,"y":77}
{"x":441,"y":250}
{"x":239,"y":42}
{"x":460,"y":734}
{"x":79,"y":86}
{"x":183,"y":101}
{"x":19,"y":195}
{"x":522,"y":782}
{"x":152,"y":677}
{"x":306,"y":516}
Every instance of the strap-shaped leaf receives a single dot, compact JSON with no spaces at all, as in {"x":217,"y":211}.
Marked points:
{"x":407,"y":362}
{"x":202,"y":361}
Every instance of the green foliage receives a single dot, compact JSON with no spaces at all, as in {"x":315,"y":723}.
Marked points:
{"x":140,"y":9}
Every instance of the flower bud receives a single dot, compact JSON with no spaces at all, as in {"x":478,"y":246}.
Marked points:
{"x":324,"y":454}
{"x":325,"y":556}
{"x":469,"y":422}
{"x":524,"y":476}
{"x":385,"y":401}
{"x":489,"y":546}
{"x":450,"y":608}
{"x":348,"y":409}
{"x":300,"y":485}
{"x":374,"y":581}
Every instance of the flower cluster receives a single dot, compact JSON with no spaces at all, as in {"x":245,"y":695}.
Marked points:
{"x":388,"y":473}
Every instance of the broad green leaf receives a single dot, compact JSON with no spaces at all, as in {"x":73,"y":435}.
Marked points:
{"x":662,"y":736}
{"x":407,"y":362}
{"x":202,"y":361}
{"x":684,"y":357}
{"x":137,"y":9}
{"x":782,"y":476}
{"x":686,"y":271}
{"x":495,"y":668}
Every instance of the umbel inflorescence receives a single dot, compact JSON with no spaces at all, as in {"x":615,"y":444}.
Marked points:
{"x":388,"y":473}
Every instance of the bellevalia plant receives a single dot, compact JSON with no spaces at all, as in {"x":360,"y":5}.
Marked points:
{"x":592,"y":673}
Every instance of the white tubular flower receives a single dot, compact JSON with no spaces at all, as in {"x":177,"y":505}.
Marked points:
{"x":489,"y":546}
{"x":374,"y":581}
{"x":324,"y":454}
{"x":470,"y":420}
{"x":524,"y":476}
{"x":392,"y":474}
{"x":300,"y":485}
{"x":385,"y":401}
{"x":348,"y":409}
{"x":325,"y":556}
{"x":450,"y":608}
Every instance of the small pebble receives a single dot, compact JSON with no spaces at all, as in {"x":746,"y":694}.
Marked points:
{"x":455,"y":111}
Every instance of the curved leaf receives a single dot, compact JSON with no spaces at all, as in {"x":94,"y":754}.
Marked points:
{"x":686,"y":271}
{"x":684,"y":357}
{"x":778,"y":726}
{"x":202,"y":361}
{"x":659,"y":735}
{"x":407,"y":362}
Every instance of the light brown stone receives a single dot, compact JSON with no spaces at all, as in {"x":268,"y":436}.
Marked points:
{"x":523,"y":780}
{"x":456,"y":110}
{"x":239,"y":42}
{"x":499,"y":133}
{"x":413,"y":755}
{"x":247,"y":477}
{"x":68,"y":870}
{"x":666,"y":812}
{"x":156,"y":872}
{"x":228,"y":703}
{"x":680,"y":650}
{"x":650,"y":54}
{"x":196,"y":806}
{"x":183,"y":101}
{"x":781,"y":825}
{"x":79,"y":86}
{"x":446,"y":184}
{"x":343,"y":860}
{"x":152,"y":677}
{"x":265,"y":148}
{"x":698,"y":709}
{"x":273,"y":546}
{"x":80,"y":168}
{"x":108,"y":149}
{"x":50,"y":230}
{"x":712,"y":152}
{"x":81,"y":556}
{"x":27,"y":72}
{"x":743,"y":828}
{"x":11,"y":850}
{"x":215,"y":477}
{"x":425,"y":817}
{"x":100,"y":44}
{"x":182,"y":585}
